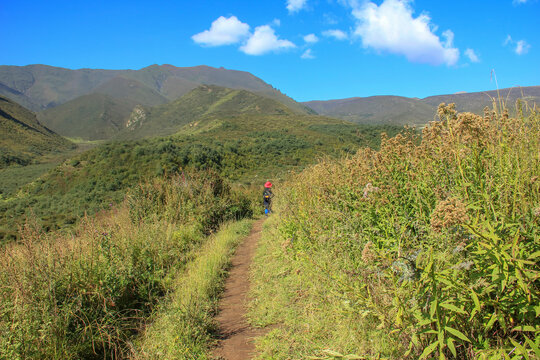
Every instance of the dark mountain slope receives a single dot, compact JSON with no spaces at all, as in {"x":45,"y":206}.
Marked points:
{"x":41,"y":86}
{"x":132,"y":91}
{"x":90,"y":117}
{"x":475,"y":102}
{"x":375,"y":109}
{"x":23,"y":138}
{"x":45,"y":86}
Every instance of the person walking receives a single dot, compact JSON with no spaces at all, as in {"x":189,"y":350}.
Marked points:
{"x":267,"y":198}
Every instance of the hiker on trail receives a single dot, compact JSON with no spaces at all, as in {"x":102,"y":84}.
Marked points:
{"x":267,"y":197}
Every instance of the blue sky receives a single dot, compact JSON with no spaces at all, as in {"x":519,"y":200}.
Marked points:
{"x":309,"y":49}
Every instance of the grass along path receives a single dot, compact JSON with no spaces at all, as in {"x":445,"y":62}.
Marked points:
{"x":183,"y":327}
{"x":236,"y":341}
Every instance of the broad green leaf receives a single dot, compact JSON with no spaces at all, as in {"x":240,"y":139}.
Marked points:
{"x":524,"y":328}
{"x":533,"y":346}
{"x":475,"y":299}
{"x":453,"y":308}
{"x":491,"y":322}
{"x":424,"y":323}
{"x":433,"y":307}
{"x":457,"y":333}
{"x":450,"y":344}
{"x":428,"y":350}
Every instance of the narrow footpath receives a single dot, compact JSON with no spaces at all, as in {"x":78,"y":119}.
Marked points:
{"x":236,"y":341}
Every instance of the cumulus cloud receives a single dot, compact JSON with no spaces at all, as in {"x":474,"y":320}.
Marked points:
{"x":391,"y":27}
{"x":296,"y":5}
{"x":308,"y":54}
{"x":223,"y":31}
{"x":265,"y":40}
{"x":336,"y":34}
{"x":521,"y":46}
{"x":311,"y":38}
{"x":472,"y":55}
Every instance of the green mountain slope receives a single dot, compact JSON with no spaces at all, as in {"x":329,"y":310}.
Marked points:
{"x":90,"y":117}
{"x":23,"y":138}
{"x":204,"y":102}
{"x":414,"y":111}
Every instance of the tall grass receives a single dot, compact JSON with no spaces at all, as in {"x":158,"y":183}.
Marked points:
{"x":183,"y":327}
{"x":86,"y":296}
{"x":427,"y":248}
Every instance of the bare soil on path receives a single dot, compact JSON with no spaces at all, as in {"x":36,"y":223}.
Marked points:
{"x":236,"y":336}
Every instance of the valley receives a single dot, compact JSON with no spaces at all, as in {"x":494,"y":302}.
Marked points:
{"x":124,"y":197}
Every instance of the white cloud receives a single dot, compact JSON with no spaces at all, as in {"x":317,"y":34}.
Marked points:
{"x":517,"y":2}
{"x":472,"y":55}
{"x":296,"y":5}
{"x":392,"y":28}
{"x":308,"y":54}
{"x":522,"y":47}
{"x":264,"y":40}
{"x":336,"y":34}
{"x":311,"y":38}
{"x":223,"y":31}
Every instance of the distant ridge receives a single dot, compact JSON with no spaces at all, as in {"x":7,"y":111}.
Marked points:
{"x":40,"y":87}
{"x":414,"y":111}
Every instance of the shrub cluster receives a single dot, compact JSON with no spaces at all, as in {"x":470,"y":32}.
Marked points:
{"x":430,"y":244}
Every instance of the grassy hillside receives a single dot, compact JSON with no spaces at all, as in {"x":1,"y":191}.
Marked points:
{"x":103,"y":113}
{"x":22,"y":138}
{"x":427,"y":248}
{"x":414,"y":111}
{"x":205,"y":102}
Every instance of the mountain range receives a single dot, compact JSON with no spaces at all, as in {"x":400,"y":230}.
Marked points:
{"x":400,"y":110}
{"x":40,"y":87}
{"x":95,"y":104}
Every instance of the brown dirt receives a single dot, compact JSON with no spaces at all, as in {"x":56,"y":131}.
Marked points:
{"x":236,"y":340}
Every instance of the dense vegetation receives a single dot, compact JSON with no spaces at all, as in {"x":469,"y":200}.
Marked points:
{"x":86,"y":295}
{"x":427,"y":248}
{"x":234,"y":147}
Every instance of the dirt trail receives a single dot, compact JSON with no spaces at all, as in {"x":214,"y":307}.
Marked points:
{"x":236,"y":341}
